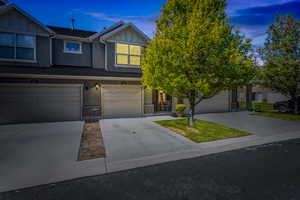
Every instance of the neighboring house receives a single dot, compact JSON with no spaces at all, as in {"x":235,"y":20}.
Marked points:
{"x":261,"y":94}
{"x":50,"y":73}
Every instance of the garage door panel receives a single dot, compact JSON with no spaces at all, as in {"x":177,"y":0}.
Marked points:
{"x":121,"y":101}
{"x":218,"y":103}
{"x":36,"y":103}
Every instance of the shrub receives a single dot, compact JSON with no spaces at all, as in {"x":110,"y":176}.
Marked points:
{"x":180,"y":108}
{"x":262,"y":106}
{"x":243,"y":104}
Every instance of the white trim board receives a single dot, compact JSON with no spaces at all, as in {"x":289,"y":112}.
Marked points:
{"x":11,"y":75}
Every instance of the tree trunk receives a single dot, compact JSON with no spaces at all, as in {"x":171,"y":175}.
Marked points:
{"x":249,"y":97}
{"x":191,"y":119}
{"x":192,"y":100}
{"x":295,"y":106}
{"x":234,"y":100}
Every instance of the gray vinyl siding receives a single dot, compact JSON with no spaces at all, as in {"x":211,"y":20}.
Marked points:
{"x":129,"y":35}
{"x":98,"y":55}
{"x":111,"y":61}
{"x":69,"y":59}
{"x":42,"y":55}
{"x":15,"y":22}
{"x":91,"y":94}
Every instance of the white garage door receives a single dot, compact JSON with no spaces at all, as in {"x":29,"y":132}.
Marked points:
{"x":39,"y":103}
{"x":121,"y":101}
{"x":219,"y":103}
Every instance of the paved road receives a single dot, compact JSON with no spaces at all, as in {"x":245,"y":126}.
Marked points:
{"x":264,"y":172}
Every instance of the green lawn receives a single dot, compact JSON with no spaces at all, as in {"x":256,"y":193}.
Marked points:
{"x":278,"y":115}
{"x":202,"y":131}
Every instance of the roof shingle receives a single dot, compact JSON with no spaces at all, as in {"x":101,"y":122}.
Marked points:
{"x":72,"y":32}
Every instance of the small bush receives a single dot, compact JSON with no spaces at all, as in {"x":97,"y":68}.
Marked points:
{"x":243,"y":104}
{"x":262,"y":106}
{"x":179,"y":109}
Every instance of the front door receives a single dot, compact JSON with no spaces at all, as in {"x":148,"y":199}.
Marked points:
{"x":162,"y":102}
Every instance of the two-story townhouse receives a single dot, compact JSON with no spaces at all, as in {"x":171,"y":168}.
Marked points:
{"x":51,"y":73}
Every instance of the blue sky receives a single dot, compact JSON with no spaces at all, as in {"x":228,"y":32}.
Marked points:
{"x":252,"y":17}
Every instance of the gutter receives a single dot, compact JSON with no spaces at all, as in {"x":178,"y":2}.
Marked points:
{"x":69,"y":77}
{"x":67,"y":37}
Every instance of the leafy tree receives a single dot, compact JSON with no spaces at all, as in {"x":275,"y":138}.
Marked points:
{"x":281,"y":55}
{"x":195,"y":54}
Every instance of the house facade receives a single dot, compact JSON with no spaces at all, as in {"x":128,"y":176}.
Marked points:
{"x":50,"y":73}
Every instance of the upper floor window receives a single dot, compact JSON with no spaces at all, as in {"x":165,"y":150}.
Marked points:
{"x":17,"y":46}
{"x":128,"y":54}
{"x":72,"y":47}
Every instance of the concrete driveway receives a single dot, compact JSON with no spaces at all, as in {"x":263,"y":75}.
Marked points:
{"x":139,"y":137}
{"x":34,"y":154}
{"x":257,"y":125}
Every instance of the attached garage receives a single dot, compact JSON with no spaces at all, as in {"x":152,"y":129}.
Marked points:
{"x":122,"y":100}
{"x":39,"y":103}
{"x":218,"y":103}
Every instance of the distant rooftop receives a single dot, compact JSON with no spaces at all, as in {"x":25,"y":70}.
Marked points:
{"x":71,"y":32}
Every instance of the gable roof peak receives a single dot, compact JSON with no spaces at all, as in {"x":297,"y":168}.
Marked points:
{"x":3,"y":2}
{"x":11,"y":6}
{"x":124,"y":26}
{"x":107,"y":29}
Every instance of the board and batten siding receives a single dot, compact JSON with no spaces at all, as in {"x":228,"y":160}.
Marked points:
{"x":42,"y":55}
{"x":128,"y":35}
{"x":14,"y":22}
{"x":98,"y":54}
{"x":72,"y":59}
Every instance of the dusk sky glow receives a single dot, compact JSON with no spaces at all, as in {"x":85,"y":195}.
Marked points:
{"x":252,"y":17}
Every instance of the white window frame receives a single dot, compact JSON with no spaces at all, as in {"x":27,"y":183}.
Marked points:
{"x":128,"y":55}
{"x":15,"y":59}
{"x":73,"y":52}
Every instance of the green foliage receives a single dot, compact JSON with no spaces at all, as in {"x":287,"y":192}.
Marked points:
{"x":202,"y":131}
{"x":278,"y":115}
{"x":180,"y":108}
{"x":262,"y":106}
{"x":194,"y":53}
{"x":281,"y":53}
{"x":243,"y":104}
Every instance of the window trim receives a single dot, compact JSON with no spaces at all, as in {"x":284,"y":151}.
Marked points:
{"x":72,"y":52}
{"x":15,"y":59}
{"x":128,"y":55}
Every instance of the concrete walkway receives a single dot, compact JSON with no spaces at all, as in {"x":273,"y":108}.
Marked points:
{"x":35,"y":154}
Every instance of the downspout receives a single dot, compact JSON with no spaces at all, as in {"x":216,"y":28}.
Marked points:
{"x":51,"y":56}
{"x":105,"y":49}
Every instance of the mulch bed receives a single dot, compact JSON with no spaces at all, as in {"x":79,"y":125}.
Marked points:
{"x":91,"y":145}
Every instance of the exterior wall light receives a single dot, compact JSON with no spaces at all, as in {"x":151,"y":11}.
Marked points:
{"x":97,"y":86}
